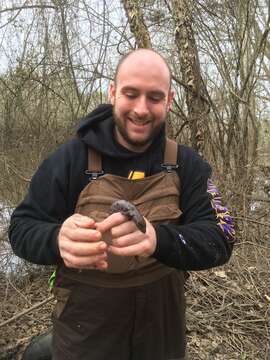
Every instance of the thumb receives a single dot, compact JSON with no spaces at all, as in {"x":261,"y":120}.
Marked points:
{"x":112,"y":220}
{"x":83,"y":221}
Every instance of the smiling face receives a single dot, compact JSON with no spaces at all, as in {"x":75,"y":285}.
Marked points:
{"x":141,"y":98}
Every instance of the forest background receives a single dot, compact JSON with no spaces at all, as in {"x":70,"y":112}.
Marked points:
{"x":57,"y":58}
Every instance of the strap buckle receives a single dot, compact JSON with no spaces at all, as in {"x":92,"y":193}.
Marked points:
{"x":94,"y":174}
{"x":170,"y":167}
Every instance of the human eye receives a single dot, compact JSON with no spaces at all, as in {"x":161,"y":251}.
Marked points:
{"x":156,"y":97}
{"x":131,"y":95}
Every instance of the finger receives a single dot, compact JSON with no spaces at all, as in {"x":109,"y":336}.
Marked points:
{"x":80,"y":234}
{"x":83,"y":221}
{"x":128,"y":239}
{"x":123,"y":229}
{"x":102,"y":265}
{"x":132,"y":250}
{"x":111,"y":221}
{"x":83,"y":248}
{"x":84,"y":261}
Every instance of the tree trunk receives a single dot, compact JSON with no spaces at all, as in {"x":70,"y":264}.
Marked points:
{"x":137,"y":24}
{"x":196,"y":94}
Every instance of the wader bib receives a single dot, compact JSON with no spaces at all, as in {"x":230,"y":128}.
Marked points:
{"x":96,"y":309}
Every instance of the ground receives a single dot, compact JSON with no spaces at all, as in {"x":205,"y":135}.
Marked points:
{"x":228,"y":308}
{"x":228,"y":316}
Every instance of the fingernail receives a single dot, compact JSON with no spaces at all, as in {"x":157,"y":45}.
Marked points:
{"x":104,"y":264}
{"x":98,"y":235}
{"x":103,"y":246}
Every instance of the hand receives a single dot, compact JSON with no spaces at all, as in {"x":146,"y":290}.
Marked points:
{"x":80,"y":244}
{"x":127,"y":239}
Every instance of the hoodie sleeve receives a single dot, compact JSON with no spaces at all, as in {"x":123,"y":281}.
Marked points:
{"x":205,"y":234}
{"x":51,"y":198}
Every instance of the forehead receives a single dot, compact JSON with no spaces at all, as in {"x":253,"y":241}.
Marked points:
{"x":145,"y":69}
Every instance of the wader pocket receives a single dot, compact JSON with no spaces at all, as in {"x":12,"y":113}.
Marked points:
{"x":164,"y":213}
{"x":62,"y":295}
{"x":98,"y":215}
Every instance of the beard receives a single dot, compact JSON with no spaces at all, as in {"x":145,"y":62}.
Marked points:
{"x":136,"y":144}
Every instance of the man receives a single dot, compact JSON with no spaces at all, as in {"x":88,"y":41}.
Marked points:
{"x":119,"y":290}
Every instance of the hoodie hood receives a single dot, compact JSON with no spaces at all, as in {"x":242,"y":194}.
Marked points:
{"x":97,"y":131}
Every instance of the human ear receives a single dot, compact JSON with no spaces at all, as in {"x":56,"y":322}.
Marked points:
{"x":170,"y":99}
{"x":112,"y":91}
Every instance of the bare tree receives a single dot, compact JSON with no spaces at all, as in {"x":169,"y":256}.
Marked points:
{"x":196,"y":94}
{"x":136,"y":21}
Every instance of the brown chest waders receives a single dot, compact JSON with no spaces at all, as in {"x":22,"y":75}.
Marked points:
{"x":121,"y":294}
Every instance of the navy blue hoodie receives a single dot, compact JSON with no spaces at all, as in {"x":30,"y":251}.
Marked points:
{"x":202,"y":239}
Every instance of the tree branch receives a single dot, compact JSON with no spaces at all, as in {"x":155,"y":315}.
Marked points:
{"x":24,"y":7}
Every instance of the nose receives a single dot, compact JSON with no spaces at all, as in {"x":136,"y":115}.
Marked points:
{"x":141,"y":107}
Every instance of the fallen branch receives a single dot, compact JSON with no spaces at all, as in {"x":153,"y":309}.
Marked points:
{"x":34,"y":307}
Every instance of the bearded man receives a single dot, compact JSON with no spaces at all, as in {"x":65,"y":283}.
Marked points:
{"x":120,"y":290}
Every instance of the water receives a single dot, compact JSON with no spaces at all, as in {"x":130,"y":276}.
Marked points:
{"x":9,"y":262}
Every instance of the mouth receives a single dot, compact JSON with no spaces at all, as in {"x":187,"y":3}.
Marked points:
{"x":138,"y":122}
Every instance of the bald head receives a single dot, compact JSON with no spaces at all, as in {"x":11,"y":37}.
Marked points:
{"x":140,"y":57}
{"x":141,"y":96}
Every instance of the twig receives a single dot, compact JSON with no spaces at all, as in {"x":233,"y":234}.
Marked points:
{"x":18,"y":291}
{"x":17,"y":316}
{"x":251,"y":243}
{"x":14,"y":170}
{"x":251,"y":220}
{"x":15,"y":8}
{"x":257,"y":198}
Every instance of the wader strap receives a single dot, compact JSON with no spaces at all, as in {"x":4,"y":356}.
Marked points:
{"x":170,"y":155}
{"x":94,"y":164}
{"x":95,"y":161}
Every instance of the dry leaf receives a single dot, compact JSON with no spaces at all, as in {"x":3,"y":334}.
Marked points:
{"x":221,"y":274}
